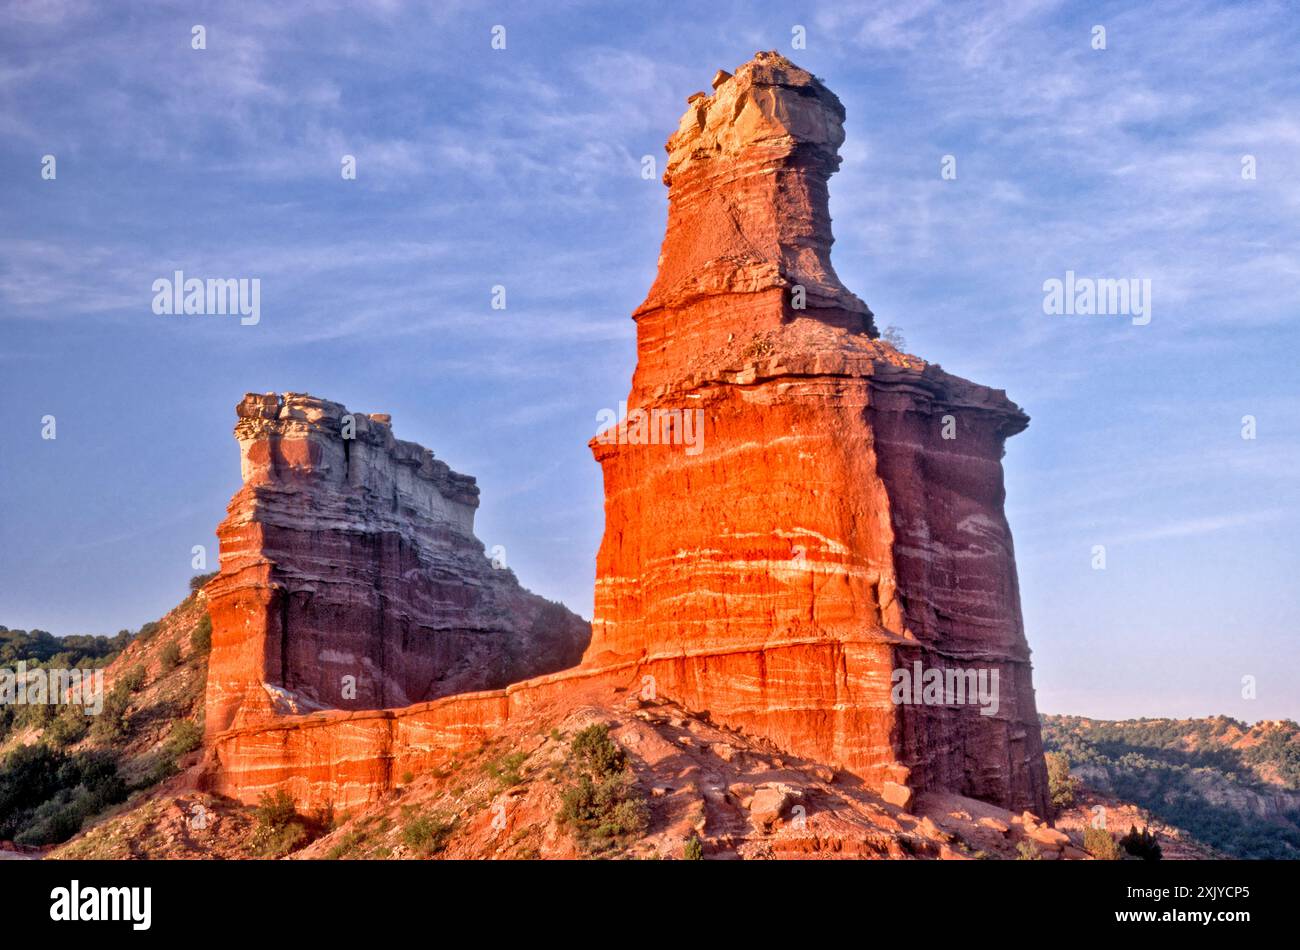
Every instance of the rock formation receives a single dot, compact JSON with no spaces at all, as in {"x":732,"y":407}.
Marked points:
{"x":812,"y":510}
{"x":351,"y":577}
{"x":748,"y":221}
{"x":797,"y":515}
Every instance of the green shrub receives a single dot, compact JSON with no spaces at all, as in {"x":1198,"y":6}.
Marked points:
{"x":694,"y":849}
{"x":34,"y":716}
{"x":603,"y":808}
{"x":134,"y":678}
{"x":506,"y":769}
{"x":1025,"y":851}
{"x":593,"y":750}
{"x":1060,"y":785}
{"x":54,"y":822}
{"x":199,"y":581}
{"x":201,"y":638}
{"x":278,"y":829}
{"x":113,"y":724}
{"x":346,"y":845}
{"x":427,"y":834}
{"x":148,"y":631}
{"x":1101,"y":844}
{"x":97,"y":773}
{"x":46,"y":795}
{"x":68,"y":727}
{"x":1141,"y":844}
{"x":184,"y":738}
{"x":29,"y":775}
{"x":170,"y":657}
{"x":275,"y":809}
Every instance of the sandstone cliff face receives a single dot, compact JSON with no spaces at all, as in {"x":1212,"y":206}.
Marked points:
{"x":351,"y":577}
{"x":838,"y":515}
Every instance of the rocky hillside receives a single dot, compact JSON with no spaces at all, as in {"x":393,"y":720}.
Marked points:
{"x":600,"y":774}
{"x":1232,"y":785}
{"x":604,"y":775}
{"x":60,"y":768}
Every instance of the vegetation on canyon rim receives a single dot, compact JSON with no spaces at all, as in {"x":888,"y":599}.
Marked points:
{"x":1235,"y":787}
{"x":59,"y":766}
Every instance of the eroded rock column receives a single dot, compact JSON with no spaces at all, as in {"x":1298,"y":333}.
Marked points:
{"x":788,"y":522}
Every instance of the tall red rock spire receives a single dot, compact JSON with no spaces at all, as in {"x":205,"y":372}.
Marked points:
{"x":749,"y":226}
{"x":833,"y":519}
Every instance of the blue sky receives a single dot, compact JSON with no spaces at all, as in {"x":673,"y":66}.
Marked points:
{"x":521,"y":167}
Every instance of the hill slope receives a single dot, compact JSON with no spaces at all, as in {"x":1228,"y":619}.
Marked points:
{"x":60,"y":767}
{"x":597,"y":774}
{"x":1234,"y":786}
{"x":604,"y":773}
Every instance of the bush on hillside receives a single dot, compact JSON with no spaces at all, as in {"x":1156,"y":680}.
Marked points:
{"x":1101,"y":844}
{"x":201,"y":638}
{"x":278,"y":828}
{"x":603,"y":808}
{"x":1141,"y":844}
{"x":133,"y":680}
{"x":113,"y":723}
{"x":46,"y":795}
{"x":170,"y":657}
{"x":1060,"y":784}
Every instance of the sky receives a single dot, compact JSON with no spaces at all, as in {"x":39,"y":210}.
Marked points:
{"x":521,"y":167}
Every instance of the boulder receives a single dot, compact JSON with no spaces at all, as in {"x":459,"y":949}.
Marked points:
{"x":900,"y":796}
{"x":770,"y":803}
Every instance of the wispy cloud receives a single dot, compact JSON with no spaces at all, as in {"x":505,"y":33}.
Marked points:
{"x":1195,"y":527}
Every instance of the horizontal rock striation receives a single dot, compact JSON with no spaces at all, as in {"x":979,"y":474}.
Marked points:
{"x":351,"y":577}
{"x":839,"y":515}
{"x":343,"y":759}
